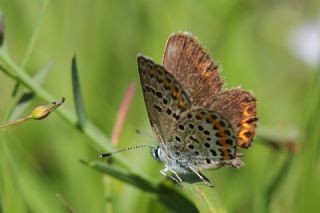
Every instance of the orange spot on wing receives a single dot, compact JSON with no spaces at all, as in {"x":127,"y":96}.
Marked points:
{"x":248,"y":124}
{"x":246,"y":112}
{"x":241,"y":135}
{"x":217,"y":124}
{"x":181,"y":104}
{"x":224,"y":148}
{"x":223,"y":139}
{"x":205,"y":74}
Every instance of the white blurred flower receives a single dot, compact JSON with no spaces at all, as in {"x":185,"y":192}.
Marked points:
{"x":305,"y":43}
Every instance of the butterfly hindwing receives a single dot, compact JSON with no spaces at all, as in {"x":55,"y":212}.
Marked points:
{"x":204,"y":137}
{"x":239,"y":108}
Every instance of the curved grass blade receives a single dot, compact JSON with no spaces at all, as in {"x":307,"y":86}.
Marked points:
{"x":32,"y":42}
{"x":35,"y":33}
{"x":123,"y":175}
{"x":77,"y":95}
{"x":167,"y":195}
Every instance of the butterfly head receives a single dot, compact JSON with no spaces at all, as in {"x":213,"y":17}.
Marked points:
{"x":156,"y":152}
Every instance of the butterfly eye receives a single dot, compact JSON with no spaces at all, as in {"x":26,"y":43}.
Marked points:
{"x":156,"y":153}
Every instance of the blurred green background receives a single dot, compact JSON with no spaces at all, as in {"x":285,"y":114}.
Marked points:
{"x":255,"y":42}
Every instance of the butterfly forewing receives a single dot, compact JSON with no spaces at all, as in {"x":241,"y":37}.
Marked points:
{"x":205,"y":137}
{"x":164,"y":97}
{"x":189,"y":62}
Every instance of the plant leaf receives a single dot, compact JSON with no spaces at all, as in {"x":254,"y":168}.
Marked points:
{"x":167,"y":195}
{"x":78,"y":101}
{"x":124,"y":176}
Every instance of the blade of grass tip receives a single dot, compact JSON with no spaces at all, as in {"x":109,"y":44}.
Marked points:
{"x":78,"y":101}
{"x":121,"y":116}
{"x":32,"y":42}
{"x":65,"y":204}
{"x":35,"y":34}
{"x":168,"y":196}
{"x":25,"y":99}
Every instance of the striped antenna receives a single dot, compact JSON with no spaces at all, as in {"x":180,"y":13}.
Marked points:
{"x":105,"y":155}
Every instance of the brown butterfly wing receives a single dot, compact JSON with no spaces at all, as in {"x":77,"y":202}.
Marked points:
{"x":164,"y":97}
{"x":191,"y":65}
{"x":239,"y":108}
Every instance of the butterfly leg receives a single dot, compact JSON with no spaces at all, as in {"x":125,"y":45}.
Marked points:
{"x":175,"y":174}
{"x":176,"y":179}
{"x":202,"y":177}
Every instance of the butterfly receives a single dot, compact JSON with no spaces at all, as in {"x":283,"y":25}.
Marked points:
{"x":198,"y":125}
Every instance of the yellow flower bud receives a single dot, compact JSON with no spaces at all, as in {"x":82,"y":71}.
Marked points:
{"x":42,"y":111}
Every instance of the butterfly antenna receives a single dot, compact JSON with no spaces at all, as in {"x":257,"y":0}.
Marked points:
{"x":105,"y":155}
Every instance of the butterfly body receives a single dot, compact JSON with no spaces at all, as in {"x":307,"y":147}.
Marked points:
{"x":198,"y":126}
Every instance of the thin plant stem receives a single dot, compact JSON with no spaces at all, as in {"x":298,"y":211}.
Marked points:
{"x":16,"y":122}
{"x":65,"y":204}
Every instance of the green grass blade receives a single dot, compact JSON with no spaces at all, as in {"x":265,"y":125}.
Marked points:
{"x":32,"y":42}
{"x":167,"y":195}
{"x":205,"y":198}
{"x":35,"y":34}
{"x":78,"y":101}
{"x":124,"y":176}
